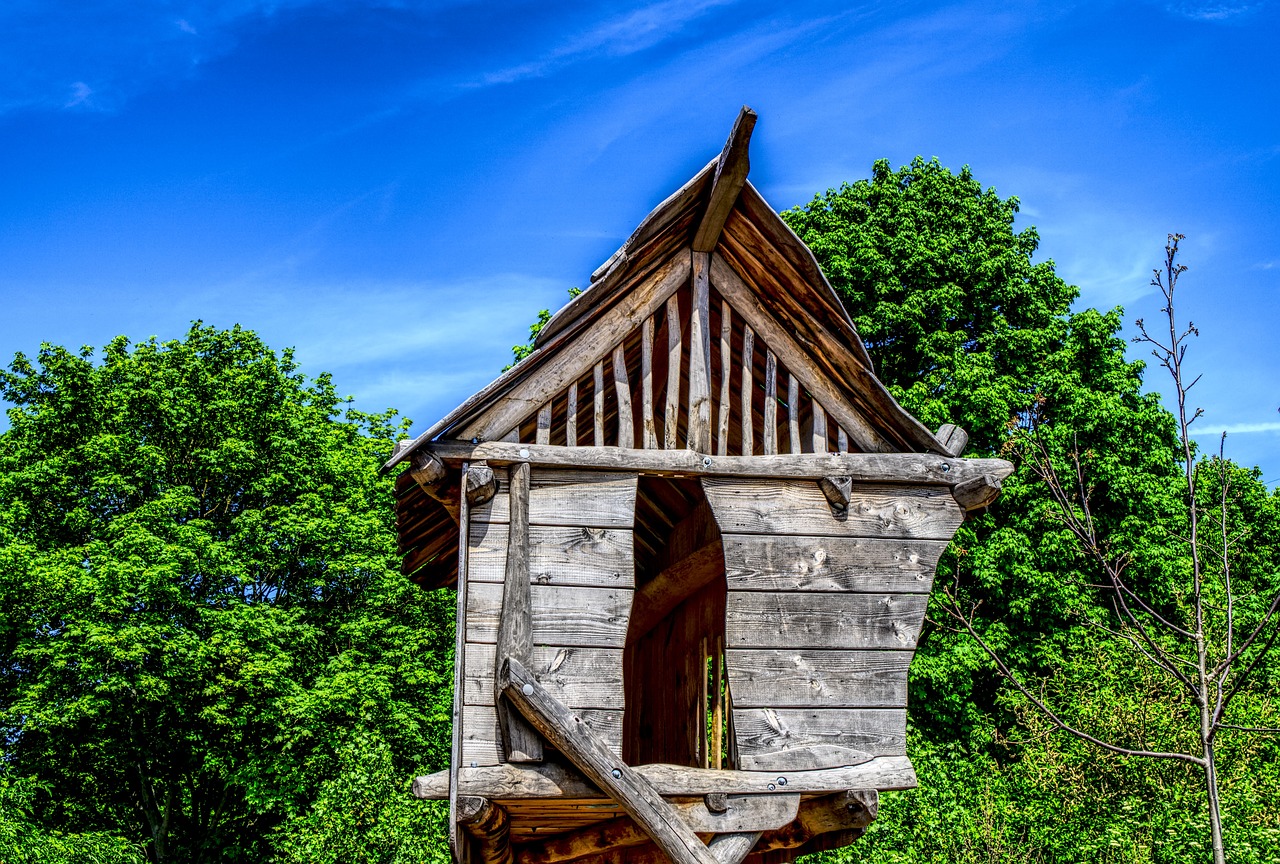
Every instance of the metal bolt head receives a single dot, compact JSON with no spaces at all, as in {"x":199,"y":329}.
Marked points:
{"x":524,"y":452}
{"x":474,"y":765}
{"x":782,"y":781}
{"x":527,"y":689}
{"x":772,"y":787}
{"x":706,"y":461}
{"x":946,"y":467}
{"x":617,"y":774}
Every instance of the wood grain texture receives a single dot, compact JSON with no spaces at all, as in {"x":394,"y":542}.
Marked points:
{"x":748,"y":305}
{"x":515,"y":629}
{"x":698,"y":432}
{"x":649,"y":424}
{"x":731,"y":173}
{"x":571,"y":416}
{"x":747,"y":388}
{"x":793,"y":413}
{"x":571,"y":617}
{"x":952,"y":438}
{"x":553,"y":781}
{"x":670,"y":428}
{"x":597,"y":406}
{"x":622,"y":388}
{"x":593,"y":557}
{"x":726,"y":377}
{"x":833,"y":564}
{"x":819,"y":428}
{"x":543,"y":435}
{"x":590,"y":346}
{"x":912,"y":468}
{"x":578,"y":677}
{"x":459,"y":671}
{"x":770,"y":431}
{"x":488,"y":825}
{"x":592,"y":755}
{"x":592,"y":499}
{"x":481,"y":735}
{"x":812,"y":678}
{"x":878,"y":731}
{"x":796,"y":507}
{"x":791,"y":620}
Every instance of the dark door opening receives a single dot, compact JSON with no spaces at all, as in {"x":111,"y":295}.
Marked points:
{"x":676,"y":693}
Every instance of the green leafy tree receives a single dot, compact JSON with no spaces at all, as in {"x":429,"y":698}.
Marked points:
{"x":200,"y":601}
{"x":966,"y":327}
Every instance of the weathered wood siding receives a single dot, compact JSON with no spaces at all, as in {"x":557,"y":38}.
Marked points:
{"x":823,"y":613}
{"x":581,"y":572}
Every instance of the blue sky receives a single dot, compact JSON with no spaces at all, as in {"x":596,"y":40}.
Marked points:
{"x":395,"y":188}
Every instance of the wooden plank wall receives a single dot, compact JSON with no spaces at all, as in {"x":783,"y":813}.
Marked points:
{"x":822,"y":614}
{"x":581,"y":569}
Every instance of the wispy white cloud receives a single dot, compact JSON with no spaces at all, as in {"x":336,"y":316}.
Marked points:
{"x":1211,"y":11}
{"x":80,"y":93}
{"x":1239,"y":429}
{"x":618,"y":36}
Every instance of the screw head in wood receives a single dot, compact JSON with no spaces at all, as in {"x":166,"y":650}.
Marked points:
{"x":527,"y":689}
{"x":524,"y":453}
{"x":772,"y":787}
{"x":782,"y":781}
{"x":617,"y":774}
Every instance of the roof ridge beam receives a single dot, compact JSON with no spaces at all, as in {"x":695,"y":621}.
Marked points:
{"x":731,"y":174}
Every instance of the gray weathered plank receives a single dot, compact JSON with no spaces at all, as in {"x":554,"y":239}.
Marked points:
{"x":757,"y":619}
{"x":622,"y":387}
{"x":584,"y":617}
{"x":591,"y":754}
{"x":551,"y":781}
{"x":819,"y":428}
{"x":726,"y":377}
{"x":578,"y":677}
{"x":571,"y":416}
{"x":755,"y":562}
{"x":597,"y":413}
{"x":793,"y":412}
{"x":799,"y":507}
{"x":731,"y":173}
{"x":671,"y":438}
{"x":515,"y":629}
{"x":480,"y":741}
{"x":748,"y":388}
{"x":646,"y":384}
{"x":594,"y":557}
{"x":698,"y":432}
{"x":543,"y":435}
{"x":459,"y":670}
{"x":878,"y":731}
{"x":813,"y":678}
{"x":770,"y":431}
{"x":565,"y":497}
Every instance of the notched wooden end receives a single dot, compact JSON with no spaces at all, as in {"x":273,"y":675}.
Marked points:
{"x":838,"y":491}
{"x":952,"y":438}
{"x":426,"y":469}
{"x":481,"y":484}
{"x":976,"y":493}
{"x":717,"y":802}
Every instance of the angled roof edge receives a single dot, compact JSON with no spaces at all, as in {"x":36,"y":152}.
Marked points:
{"x":671,"y":224}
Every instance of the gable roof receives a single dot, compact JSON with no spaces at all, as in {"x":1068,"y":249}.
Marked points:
{"x":757,"y":258}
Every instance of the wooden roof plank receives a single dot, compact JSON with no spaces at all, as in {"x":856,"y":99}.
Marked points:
{"x":731,"y":174}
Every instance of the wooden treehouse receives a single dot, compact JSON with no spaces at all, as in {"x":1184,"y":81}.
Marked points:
{"x":693,"y":537}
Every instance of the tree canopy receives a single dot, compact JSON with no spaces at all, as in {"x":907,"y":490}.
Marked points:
{"x":204,"y":625}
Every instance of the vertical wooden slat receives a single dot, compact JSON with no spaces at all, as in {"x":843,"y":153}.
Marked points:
{"x":544,"y":425}
{"x":646,"y":384}
{"x":819,"y":428}
{"x":515,"y":626}
{"x":793,"y":412}
{"x":622,"y":387}
{"x":703,"y":654}
{"x":842,"y":440}
{"x":670,"y":435}
{"x":512,"y":437}
{"x":726,"y":375}
{"x":597,"y":430}
{"x":717,"y":713}
{"x":459,"y":670}
{"x":770,"y":433}
{"x":571,"y":417}
{"x":748,"y":347}
{"x":698,"y":431}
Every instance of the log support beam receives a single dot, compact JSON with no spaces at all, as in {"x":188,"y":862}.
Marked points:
{"x":566,"y":731}
{"x":481,"y":484}
{"x":838,"y":489}
{"x":488,"y":826}
{"x":515,"y":627}
{"x":952,"y":438}
{"x":977,"y":492}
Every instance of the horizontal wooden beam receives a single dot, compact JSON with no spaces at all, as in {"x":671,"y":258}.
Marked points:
{"x":916,"y":468}
{"x":551,"y":780}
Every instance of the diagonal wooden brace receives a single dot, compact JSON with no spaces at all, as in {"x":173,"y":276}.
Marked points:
{"x":566,"y":731}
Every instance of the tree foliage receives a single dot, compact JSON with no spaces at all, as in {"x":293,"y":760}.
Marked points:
{"x":966,"y":327}
{"x":200,"y":603}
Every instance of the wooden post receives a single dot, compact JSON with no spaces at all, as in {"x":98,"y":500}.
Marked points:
{"x":544,"y":425}
{"x":793,"y":411}
{"x":488,"y":824}
{"x":770,"y":403}
{"x":842,"y":440}
{"x":698,"y":437}
{"x":598,"y":426}
{"x":515,"y":626}
{"x":566,"y":731}
{"x":952,"y":438}
{"x":622,"y":387}
{"x":748,"y":346}
{"x":726,"y":375}
{"x":571,"y":417}
{"x":717,"y":714}
{"x":819,"y":428}
{"x":459,"y":672}
{"x":670,"y":428}
{"x":646,"y":384}
{"x":480,"y":485}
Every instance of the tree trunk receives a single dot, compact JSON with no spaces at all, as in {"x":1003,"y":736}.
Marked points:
{"x":1215,"y":813}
